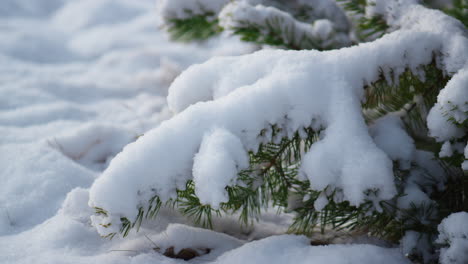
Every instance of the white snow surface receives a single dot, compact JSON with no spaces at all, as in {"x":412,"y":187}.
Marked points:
{"x":81,"y":79}
{"x":415,"y":243}
{"x":67,"y":109}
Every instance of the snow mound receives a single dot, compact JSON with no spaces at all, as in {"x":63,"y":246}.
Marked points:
{"x":94,"y":145}
{"x":294,"y":249}
{"x":181,"y":9}
{"x":71,"y":18}
{"x":35,"y":179}
{"x":453,"y":231}
{"x":220,"y":158}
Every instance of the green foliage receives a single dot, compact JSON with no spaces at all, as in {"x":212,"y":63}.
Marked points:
{"x":459,"y":11}
{"x":195,"y":28}
{"x":253,"y":34}
{"x":371,"y":28}
{"x":126,"y":225}
{"x":189,"y":205}
{"x":274,"y":34}
{"x":356,"y":6}
{"x":389,"y":222}
{"x":366,"y":28}
{"x":410,"y":94}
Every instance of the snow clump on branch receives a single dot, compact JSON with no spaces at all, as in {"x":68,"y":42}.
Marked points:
{"x":292,"y":90}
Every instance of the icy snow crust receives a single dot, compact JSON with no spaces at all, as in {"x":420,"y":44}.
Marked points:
{"x":292,"y":89}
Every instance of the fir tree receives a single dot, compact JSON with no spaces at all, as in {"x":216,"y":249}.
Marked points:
{"x":431,"y":180}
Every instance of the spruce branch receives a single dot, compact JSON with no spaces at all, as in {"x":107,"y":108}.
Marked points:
{"x":275,"y":27}
{"x":195,"y":28}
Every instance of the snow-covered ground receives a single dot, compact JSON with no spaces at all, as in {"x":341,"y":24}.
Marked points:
{"x":78,"y":81}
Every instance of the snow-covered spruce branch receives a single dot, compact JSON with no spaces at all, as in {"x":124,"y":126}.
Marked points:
{"x":367,"y":26}
{"x":225,"y":104}
{"x":269,"y":25}
{"x":323,"y":25}
{"x":191,"y":20}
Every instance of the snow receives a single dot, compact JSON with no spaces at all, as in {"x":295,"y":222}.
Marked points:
{"x":238,"y":14}
{"x":465,"y":163}
{"x":320,"y":10}
{"x":446,"y":150}
{"x":182,"y":236}
{"x":348,"y":161}
{"x":452,"y":100}
{"x":35,"y":179}
{"x":93,"y":145}
{"x":329,"y":10}
{"x":453,"y":232}
{"x":452,"y":103}
{"x":428,"y":169}
{"x":269,"y":91}
{"x":216,"y":165}
{"x":414,"y":196}
{"x":61,"y":118}
{"x":390,"y":136}
{"x":241,"y":14}
{"x":424,"y":172}
{"x":26,"y":8}
{"x":81,"y":80}
{"x":67,"y":19}
{"x":440,"y":128}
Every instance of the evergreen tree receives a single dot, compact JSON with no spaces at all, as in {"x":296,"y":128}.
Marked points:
{"x":415,"y":109}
